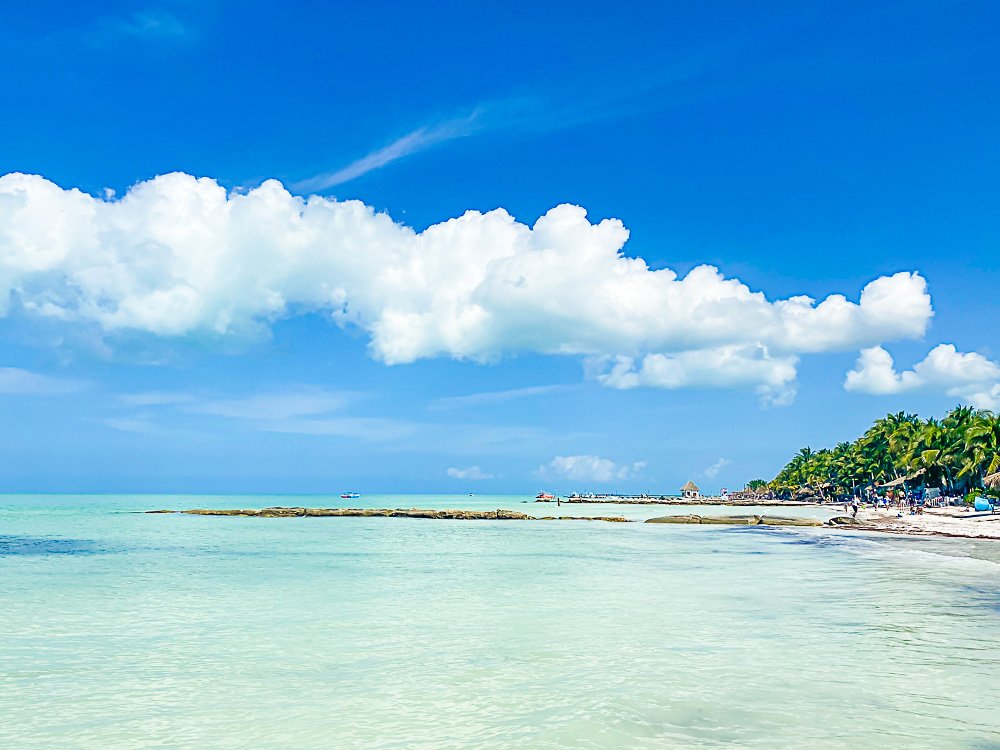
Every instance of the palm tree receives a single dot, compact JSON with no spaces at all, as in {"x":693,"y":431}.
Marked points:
{"x":933,"y":451}
{"x":981,"y":447}
{"x":955,"y":452}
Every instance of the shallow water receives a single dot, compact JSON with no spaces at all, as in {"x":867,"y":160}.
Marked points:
{"x":124,"y":630}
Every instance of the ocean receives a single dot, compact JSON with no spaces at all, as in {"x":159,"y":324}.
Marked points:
{"x":125,"y":630}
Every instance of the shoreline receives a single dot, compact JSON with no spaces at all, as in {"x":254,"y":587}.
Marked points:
{"x":945,"y":523}
{"x":713,"y":500}
{"x":951,"y":523}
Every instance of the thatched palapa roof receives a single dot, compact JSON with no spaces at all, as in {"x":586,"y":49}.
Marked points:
{"x":992,"y":481}
{"x":903,"y":480}
{"x":690,"y":487}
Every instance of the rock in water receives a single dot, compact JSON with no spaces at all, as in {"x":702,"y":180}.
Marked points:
{"x":675,"y":519}
{"x":844,"y":521}
{"x":783,"y":521}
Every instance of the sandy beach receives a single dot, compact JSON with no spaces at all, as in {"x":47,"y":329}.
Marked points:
{"x":945,"y":522}
{"x":953,"y":522}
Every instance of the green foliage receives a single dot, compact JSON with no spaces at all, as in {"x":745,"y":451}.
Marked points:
{"x":954,"y":453}
{"x":756,"y":484}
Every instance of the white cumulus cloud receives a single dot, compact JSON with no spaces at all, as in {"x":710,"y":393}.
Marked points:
{"x":969,"y":376}
{"x":470,"y":472}
{"x":721,"y":367}
{"x":589,"y":468}
{"x":179,"y":255}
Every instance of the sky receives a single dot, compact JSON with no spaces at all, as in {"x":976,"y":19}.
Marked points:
{"x":486,"y":247}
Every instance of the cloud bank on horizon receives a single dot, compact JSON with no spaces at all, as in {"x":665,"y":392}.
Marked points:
{"x":179,"y":255}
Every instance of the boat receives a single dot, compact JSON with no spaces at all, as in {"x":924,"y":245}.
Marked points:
{"x":544,"y":496}
{"x":350,"y":495}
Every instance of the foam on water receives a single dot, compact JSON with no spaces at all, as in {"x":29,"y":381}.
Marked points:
{"x":964,"y":557}
{"x":178,"y":631}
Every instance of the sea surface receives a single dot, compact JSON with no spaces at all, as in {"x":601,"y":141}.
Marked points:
{"x":125,"y":630}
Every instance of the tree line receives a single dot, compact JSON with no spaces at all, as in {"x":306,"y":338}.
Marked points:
{"x":954,"y":453}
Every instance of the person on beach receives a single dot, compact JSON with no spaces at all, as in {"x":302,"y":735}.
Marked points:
{"x":854,"y":508}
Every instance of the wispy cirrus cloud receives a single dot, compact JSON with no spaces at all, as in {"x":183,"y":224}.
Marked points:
{"x":373,"y":429}
{"x":155,"y":398}
{"x":304,"y":410}
{"x":289,"y":403}
{"x":300,"y":410}
{"x":495,"y":397}
{"x":420,"y":139}
{"x":277,"y":405}
{"x":541,"y":112}
{"x":136,"y":425}
{"x":15,"y":381}
{"x":515,"y":114}
{"x":147,"y":24}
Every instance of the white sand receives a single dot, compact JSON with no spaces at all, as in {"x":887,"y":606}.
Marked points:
{"x":941,"y":521}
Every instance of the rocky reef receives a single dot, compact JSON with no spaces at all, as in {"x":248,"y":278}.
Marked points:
{"x":454,"y":515}
{"x":505,"y":515}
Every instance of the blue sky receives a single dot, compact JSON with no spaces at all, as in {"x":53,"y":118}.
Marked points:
{"x":798,"y":148}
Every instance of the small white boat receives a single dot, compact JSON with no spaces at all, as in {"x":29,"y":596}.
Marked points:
{"x":350,"y":495}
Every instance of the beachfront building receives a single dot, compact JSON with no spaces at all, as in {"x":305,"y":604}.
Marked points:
{"x":690,"y":490}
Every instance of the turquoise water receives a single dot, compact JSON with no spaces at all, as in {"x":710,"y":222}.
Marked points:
{"x":124,"y":630}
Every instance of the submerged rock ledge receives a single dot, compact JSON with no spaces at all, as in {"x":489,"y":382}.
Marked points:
{"x":455,"y":515}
